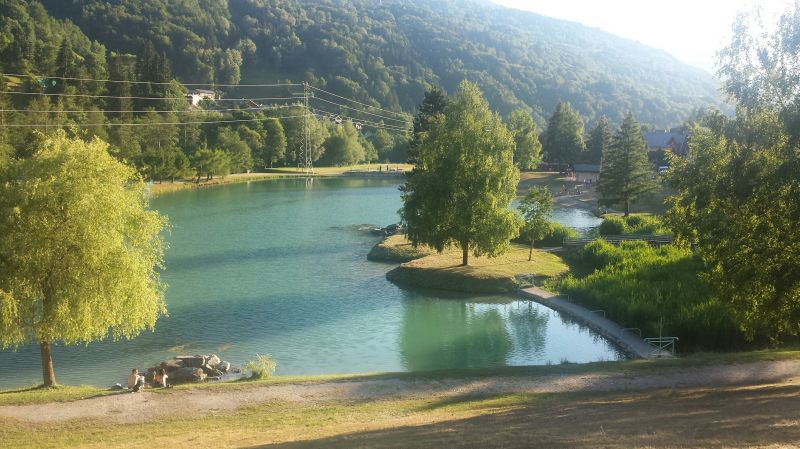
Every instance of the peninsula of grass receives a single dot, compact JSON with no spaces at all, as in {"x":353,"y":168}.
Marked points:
{"x":483,"y":274}
{"x":398,"y":249}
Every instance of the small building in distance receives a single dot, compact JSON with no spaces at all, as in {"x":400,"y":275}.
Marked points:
{"x":675,"y":140}
{"x":195,"y":96}
{"x":586,"y":173}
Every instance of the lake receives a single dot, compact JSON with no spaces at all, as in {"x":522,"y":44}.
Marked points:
{"x":279,"y":267}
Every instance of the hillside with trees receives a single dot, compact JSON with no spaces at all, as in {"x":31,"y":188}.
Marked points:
{"x":388,"y":53}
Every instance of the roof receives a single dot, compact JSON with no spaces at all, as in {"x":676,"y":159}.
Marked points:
{"x":203,"y":91}
{"x":661,"y":139}
{"x":588,"y":168}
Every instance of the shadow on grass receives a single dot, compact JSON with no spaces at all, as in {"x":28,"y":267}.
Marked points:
{"x":730,"y":418}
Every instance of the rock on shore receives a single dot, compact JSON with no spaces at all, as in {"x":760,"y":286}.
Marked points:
{"x":192,"y":369}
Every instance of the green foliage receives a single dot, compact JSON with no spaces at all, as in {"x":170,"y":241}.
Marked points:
{"x":527,"y":149}
{"x":463,"y":182}
{"x":738,"y":188}
{"x":343,"y":146}
{"x":645,"y":287}
{"x":262,"y":367}
{"x":387,"y":54}
{"x":632,"y":224}
{"x":80,"y":252}
{"x":555,"y":235}
{"x":563,"y":140}
{"x":274,"y":143}
{"x":625,"y":173}
{"x":600,"y":140}
{"x":535,"y":207}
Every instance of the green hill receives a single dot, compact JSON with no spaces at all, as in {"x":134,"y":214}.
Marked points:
{"x":386,"y":53}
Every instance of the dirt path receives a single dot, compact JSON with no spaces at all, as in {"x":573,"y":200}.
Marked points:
{"x":147,"y":406}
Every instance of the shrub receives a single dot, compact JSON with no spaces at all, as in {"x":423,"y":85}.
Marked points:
{"x":645,"y":287}
{"x":556,"y":235}
{"x":262,"y":367}
{"x":632,"y":224}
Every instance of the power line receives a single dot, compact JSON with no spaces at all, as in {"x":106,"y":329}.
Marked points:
{"x":150,"y":98}
{"x":360,"y":111}
{"x":357,"y":102}
{"x":151,"y":82}
{"x":81,"y":125}
{"x":324,"y":113}
{"x":64,"y":111}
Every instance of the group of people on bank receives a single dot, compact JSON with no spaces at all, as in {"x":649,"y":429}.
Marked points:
{"x":136,"y":381}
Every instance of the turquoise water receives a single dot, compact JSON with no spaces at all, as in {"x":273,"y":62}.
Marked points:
{"x":280,"y":267}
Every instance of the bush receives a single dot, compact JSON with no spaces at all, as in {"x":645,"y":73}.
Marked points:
{"x":262,"y":367}
{"x":556,"y":235}
{"x":645,"y":287}
{"x":632,"y":224}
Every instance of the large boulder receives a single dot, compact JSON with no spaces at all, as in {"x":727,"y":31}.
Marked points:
{"x":171,"y":365}
{"x":223,"y":367}
{"x":187,"y":375}
{"x":195,"y":361}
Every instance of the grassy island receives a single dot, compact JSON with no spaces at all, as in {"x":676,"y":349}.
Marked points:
{"x":483,"y":275}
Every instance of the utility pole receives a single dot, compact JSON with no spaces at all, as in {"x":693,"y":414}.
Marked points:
{"x":308,"y":166}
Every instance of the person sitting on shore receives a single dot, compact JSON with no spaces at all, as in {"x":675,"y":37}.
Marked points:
{"x":135,"y":381}
{"x":160,"y":378}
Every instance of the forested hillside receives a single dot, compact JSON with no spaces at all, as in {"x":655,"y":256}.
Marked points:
{"x":388,"y":52}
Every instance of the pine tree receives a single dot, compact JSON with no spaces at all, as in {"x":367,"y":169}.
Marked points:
{"x":600,"y":139}
{"x":625,"y":172}
{"x":563,"y":141}
{"x":434,"y":103}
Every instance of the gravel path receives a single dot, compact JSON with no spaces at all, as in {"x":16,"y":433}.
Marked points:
{"x":141,"y":407}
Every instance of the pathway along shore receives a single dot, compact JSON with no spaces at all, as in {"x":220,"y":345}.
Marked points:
{"x":127,"y":408}
{"x":633,"y":345}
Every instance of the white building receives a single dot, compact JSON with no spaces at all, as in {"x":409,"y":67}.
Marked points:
{"x":198,"y":95}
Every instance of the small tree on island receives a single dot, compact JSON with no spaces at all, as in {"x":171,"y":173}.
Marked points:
{"x":625,"y":172}
{"x":79,"y":249}
{"x":535,"y":208}
{"x":463,"y":180}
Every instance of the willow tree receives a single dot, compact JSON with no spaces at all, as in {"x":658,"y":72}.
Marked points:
{"x":79,"y":249}
{"x":464,"y":180}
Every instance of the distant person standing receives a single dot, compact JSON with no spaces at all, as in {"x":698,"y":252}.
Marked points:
{"x":135,"y":381}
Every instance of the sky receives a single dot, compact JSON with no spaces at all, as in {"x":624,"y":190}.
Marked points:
{"x":691,"y":30}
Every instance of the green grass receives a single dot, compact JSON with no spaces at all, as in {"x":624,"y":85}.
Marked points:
{"x":658,"y":290}
{"x":471,"y":418}
{"x":396,"y":248}
{"x":483,"y":275}
{"x":41,"y":395}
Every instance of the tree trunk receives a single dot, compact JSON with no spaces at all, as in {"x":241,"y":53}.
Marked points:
{"x":627,"y":207}
{"x":48,"y":373}
{"x":465,"y":254}
{"x":530,"y":252}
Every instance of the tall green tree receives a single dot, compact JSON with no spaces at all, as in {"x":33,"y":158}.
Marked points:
{"x":738,"y":188}
{"x":527,"y":147}
{"x":535,"y":207}
{"x":343,"y":147}
{"x":464,"y":181}
{"x":274,"y":142}
{"x":600,"y":140}
{"x":563,"y":139}
{"x":80,"y":251}
{"x":625,"y":172}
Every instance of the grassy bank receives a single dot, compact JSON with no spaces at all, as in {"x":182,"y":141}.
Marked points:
{"x":397,"y":249}
{"x":658,"y":290}
{"x":698,"y":417}
{"x":158,"y":188}
{"x":483,"y":275}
